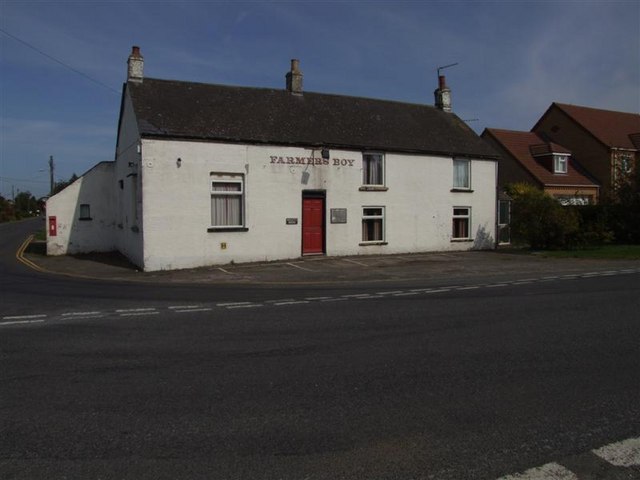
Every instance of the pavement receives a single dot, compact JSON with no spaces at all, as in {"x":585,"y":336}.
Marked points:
{"x":434,"y":267}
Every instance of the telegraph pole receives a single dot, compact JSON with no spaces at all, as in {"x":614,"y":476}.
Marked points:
{"x":51,"y":182}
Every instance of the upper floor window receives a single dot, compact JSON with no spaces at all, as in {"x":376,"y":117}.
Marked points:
{"x":560,"y":163}
{"x":461,"y":173}
{"x":373,"y":169}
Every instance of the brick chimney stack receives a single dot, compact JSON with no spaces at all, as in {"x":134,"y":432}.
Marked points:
{"x":443,"y":95}
{"x":294,"y":78}
{"x":135,"y":65}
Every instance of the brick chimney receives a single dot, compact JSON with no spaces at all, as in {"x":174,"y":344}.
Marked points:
{"x":294,"y":78}
{"x":443,"y":95}
{"x":135,"y":65}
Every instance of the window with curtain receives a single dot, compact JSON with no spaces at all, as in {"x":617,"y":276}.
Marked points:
{"x":373,"y":224}
{"x":461,"y":173}
{"x":373,"y":169}
{"x":227,"y":201}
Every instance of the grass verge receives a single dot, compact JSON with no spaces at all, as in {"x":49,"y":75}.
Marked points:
{"x":606,"y":252}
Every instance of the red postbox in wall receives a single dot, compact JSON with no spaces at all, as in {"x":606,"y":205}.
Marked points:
{"x":53,"y":227}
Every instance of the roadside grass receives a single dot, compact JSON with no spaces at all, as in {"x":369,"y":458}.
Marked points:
{"x":40,"y":235}
{"x":605,"y":252}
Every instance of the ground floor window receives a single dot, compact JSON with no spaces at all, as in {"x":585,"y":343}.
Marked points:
{"x":461,"y":223}
{"x":227,"y":200}
{"x":373,"y":224}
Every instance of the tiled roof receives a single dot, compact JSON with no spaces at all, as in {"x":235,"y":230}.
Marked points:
{"x":609,"y":127}
{"x":519,"y":144}
{"x":175,"y":109}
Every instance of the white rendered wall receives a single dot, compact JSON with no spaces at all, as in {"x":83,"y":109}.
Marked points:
{"x":127,"y":187}
{"x":418,"y":203}
{"x":83,"y":235}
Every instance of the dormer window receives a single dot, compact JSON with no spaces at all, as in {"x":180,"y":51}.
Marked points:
{"x":560,"y":163}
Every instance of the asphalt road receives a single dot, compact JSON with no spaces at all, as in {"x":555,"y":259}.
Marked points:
{"x":475,"y":382}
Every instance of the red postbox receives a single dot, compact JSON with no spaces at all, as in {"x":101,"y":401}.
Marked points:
{"x":53,"y":227}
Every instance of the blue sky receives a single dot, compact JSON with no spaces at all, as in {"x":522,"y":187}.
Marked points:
{"x":514,"y":59}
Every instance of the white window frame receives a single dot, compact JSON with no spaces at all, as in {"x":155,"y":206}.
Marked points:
{"x":459,"y":216}
{"x":235,"y":178}
{"x":560,"y":163}
{"x":381,"y":217}
{"x":467,"y":162}
{"x":365,"y":169}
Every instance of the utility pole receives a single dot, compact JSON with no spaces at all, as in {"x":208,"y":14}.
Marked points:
{"x":51,"y":175}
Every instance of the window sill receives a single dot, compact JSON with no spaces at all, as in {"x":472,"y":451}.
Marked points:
{"x":230,"y":229}
{"x":461,"y":240}
{"x":373,"y":188}
{"x":85,"y":219}
{"x":367,"y":244}
{"x":462,"y":190}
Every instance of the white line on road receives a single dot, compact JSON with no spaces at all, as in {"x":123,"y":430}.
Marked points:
{"x":301,"y":268}
{"x":80,"y":314}
{"x":182,"y":307}
{"x":134,"y":310}
{"x":23,"y":317}
{"x":438,"y":290}
{"x":621,"y":454}
{"x":316,"y":298}
{"x":335,"y":300}
{"x":248,"y":305}
{"x":281,"y":300}
{"x":389,"y":293}
{"x":405,"y":294}
{"x":188,"y":310}
{"x":295,"y":302}
{"x":140,"y":314}
{"x":473,"y":287}
{"x":356,"y":295}
{"x":357,"y":263}
{"x":494,"y":285}
{"x":16,"y":322}
{"x":550,"y":471}
{"x":232,"y":304}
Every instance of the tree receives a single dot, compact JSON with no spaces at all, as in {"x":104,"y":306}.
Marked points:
{"x":7,"y":212}
{"x":25,"y":205}
{"x":59,"y":186}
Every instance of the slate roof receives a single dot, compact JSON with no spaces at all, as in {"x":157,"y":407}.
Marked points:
{"x":613,"y":129}
{"x":186,"y":110}
{"x":518,"y":145}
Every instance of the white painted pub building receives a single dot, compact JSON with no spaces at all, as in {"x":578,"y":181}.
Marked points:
{"x":209,"y":174}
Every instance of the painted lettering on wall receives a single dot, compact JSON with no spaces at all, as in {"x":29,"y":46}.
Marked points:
{"x":316,"y":161}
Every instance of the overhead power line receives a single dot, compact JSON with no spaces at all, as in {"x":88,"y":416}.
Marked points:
{"x":50,"y":57}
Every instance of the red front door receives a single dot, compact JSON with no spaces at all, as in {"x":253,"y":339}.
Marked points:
{"x":312,"y":226}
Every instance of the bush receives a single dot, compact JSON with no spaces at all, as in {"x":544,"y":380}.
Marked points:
{"x":539,"y":220}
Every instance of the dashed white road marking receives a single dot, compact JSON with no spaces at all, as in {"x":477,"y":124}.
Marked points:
{"x":356,"y":295}
{"x":140,"y":314}
{"x":17,"y":322}
{"x":389,"y":293}
{"x":182,"y":307}
{"x":438,"y":290}
{"x":281,"y":300}
{"x":335,"y":300}
{"x":134,"y":310}
{"x":80,"y":314}
{"x":311,"y":299}
{"x":248,"y":305}
{"x":550,"y":471}
{"x":23,"y":317}
{"x":473,"y":287}
{"x":405,"y":294}
{"x":295,"y":302}
{"x":232,"y":304}
{"x":189,"y":310}
{"x":494,"y":285}
{"x":621,"y":454}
